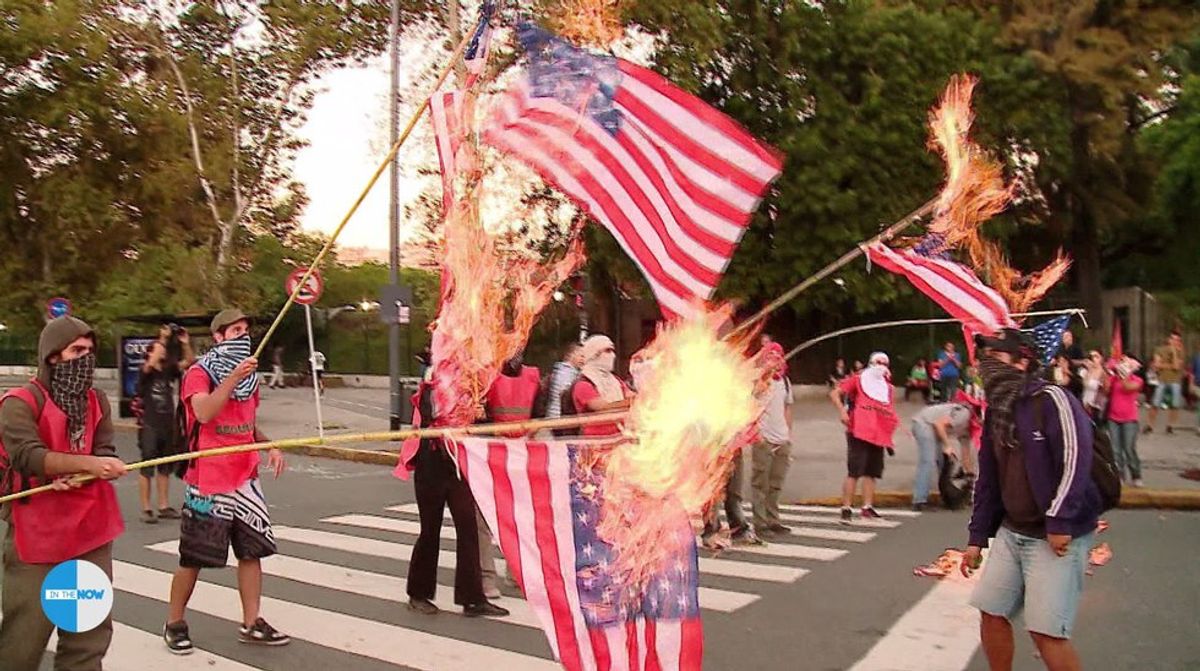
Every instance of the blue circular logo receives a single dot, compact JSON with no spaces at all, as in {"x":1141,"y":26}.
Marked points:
{"x":77,"y":596}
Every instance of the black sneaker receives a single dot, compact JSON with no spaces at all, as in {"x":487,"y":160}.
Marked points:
{"x":261,"y":633}
{"x":868,"y":513}
{"x":780,"y":528}
{"x":175,"y":635}
{"x":746,"y":536}
{"x":847,"y":514}
{"x":423,"y":606}
{"x":918,"y":507}
{"x":1170,"y":429}
{"x":485,"y":609}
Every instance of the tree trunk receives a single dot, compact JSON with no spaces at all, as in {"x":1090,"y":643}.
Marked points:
{"x":1085,"y":247}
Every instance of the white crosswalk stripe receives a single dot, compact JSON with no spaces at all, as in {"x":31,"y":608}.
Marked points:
{"x":744,"y":574}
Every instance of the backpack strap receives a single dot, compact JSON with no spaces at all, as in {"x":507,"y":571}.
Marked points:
{"x":33,"y":395}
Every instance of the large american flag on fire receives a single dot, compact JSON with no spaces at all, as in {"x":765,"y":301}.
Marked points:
{"x":674,"y":180}
{"x":542,"y":501}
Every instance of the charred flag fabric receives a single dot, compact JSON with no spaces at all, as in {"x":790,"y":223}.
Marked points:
{"x":542,"y":500}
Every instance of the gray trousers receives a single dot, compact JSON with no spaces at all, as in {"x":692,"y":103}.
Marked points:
{"x":25,"y":630}
{"x":771,"y":461}
{"x":733,"y":502}
{"x":487,"y":559}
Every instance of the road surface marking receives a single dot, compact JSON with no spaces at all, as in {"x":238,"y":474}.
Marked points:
{"x":135,"y":650}
{"x":385,"y":642}
{"x":834,"y":510}
{"x":354,"y":581}
{"x":939,"y":633}
{"x":724,"y":601}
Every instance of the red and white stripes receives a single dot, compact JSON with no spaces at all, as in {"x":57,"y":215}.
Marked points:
{"x":675,"y":185}
{"x":952,"y":286}
{"x":523,"y":491}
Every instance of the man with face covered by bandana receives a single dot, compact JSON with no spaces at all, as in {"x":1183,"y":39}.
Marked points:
{"x":55,"y":426}
{"x":1035,"y":501}
{"x":870,"y":423}
{"x":223,"y":504}
{"x":598,"y":389}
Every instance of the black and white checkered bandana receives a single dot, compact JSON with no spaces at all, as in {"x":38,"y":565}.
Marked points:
{"x":220,"y":361}
{"x":69,"y":385}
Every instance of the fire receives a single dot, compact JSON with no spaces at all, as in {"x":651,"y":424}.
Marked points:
{"x":695,"y":403}
{"x":975,"y":192}
{"x":588,"y":22}
{"x":490,"y":301}
{"x":975,"y":189}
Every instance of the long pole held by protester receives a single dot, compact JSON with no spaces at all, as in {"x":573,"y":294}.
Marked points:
{"x":383,"y":165}
{"x":527,"y":426}
{"x":884,"y":236}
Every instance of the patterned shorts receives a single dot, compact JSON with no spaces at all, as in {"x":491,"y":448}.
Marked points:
{"x":211,"y":524}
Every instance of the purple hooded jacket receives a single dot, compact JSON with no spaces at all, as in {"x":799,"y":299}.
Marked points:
{"x":1058,"y":462}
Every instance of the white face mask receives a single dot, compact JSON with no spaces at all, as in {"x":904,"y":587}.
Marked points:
{"x":606,"y":361}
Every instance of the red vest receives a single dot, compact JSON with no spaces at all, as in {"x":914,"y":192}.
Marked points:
{"x":872,"y":421}
{"x":511,"y":399}
{"x":56,"y":526}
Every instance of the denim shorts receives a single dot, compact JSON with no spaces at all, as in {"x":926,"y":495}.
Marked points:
{"x":1022,"y":572}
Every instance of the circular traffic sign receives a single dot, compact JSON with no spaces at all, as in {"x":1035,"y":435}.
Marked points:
{"x":58,"y":307}
{"x":311,"y":292}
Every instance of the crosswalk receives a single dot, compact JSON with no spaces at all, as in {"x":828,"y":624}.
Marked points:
{"x":337,"y":587}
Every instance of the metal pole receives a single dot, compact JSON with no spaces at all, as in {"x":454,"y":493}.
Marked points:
{"x":395,"y":397}
{"x":312,"y":368}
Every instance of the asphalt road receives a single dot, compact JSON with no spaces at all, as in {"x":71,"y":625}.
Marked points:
{"x":834,"y":598}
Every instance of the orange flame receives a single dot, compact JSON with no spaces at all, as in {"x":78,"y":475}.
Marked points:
{"x":490,"y":301}
{"x":587,"y":22}
{"x":975,"y":191}
{"x":695,"y":401}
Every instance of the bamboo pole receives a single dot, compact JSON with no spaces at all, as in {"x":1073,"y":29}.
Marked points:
{"x":412,"y":123}
{"x":292,"y":443}
{"x":887,"y":234}
{"x":910,"y":322}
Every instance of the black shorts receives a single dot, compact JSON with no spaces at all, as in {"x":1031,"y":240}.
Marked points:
{"x":863,"y":460}
{"x":212,"y":524}
{"x":154,"y":440}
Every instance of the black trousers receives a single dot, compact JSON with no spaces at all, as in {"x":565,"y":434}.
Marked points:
{"x":435,"y":488}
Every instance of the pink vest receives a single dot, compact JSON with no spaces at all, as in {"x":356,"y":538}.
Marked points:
{"x":56,"y":526}
{"x":872,"y":421}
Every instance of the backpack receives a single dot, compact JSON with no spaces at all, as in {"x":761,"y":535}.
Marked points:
{"x":184,"y":439}
{"x":12,"y":482}
{"x":1105,"y":473}
{"x":954,"y":483}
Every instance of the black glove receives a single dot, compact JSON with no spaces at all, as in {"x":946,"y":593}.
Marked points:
{"x":891,"y":452}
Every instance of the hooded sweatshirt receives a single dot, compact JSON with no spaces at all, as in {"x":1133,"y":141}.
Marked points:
{"x":19,"y":422}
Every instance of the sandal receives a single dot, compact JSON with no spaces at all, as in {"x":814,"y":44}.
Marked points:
{"x":168,"y":513}
{"x":149,"y":517}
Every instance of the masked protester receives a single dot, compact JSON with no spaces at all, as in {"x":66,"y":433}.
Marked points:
{"x":55,"y":426}
{"x":510,"y":399}
{"x":598,"y":389}
{"x":1034,"y":500}
{"x":870,"y":422}
{"x":223,"y":503}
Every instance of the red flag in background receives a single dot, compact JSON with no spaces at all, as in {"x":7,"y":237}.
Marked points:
{"x":1117,"y":350}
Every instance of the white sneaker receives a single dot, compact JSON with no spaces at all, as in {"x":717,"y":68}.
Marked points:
{"x":1137,"y":482}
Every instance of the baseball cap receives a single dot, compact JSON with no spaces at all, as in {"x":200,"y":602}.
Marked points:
{"x":1008,"y":340}
{"x":226,"y":317}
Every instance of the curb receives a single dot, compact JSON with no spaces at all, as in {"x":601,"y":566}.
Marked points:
{"x":350,"y":454}
{"x":1131,"y":499}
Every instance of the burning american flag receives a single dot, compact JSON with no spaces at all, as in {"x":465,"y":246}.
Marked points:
{"x":542,"y":501}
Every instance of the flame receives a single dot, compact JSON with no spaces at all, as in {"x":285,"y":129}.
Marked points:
{"x":587,"y":22}
{"x":695,"y":403}
{"x":975,"y":189}
{"x":490,"y":299}
{"x":975,"y":192}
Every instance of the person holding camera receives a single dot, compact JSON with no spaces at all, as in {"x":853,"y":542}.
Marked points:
{"x":166,"y":361}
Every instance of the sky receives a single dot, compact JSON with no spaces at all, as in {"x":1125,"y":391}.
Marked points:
{"x":347,"y":135}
